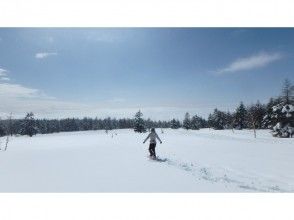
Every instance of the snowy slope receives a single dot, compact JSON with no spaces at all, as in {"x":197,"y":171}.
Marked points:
{"x":197,"y":161}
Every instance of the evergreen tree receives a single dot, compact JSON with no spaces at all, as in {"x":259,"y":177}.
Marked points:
{"x":139,"y":123}
{"x":269,"y":121}
{"x":29,"y":125}
{"x":280,"y":115}
{"x":175,"y":124}
{"x":187,"y":121}
{"x":149,"y":124}
{"x":283,"y":115}
{"x":240,"y":117}
{"x":2,"y":130}
{"x":210,"y":121}
{"x":256,"y":114}
{"x":197,"y":123}
{"x":217,"y":120}
{"x":229,"y":120}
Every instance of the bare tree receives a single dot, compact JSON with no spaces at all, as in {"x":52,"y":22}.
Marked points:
{"x":253,"y":116}
{"x":8,"y":132}
{"x":287,"y":92}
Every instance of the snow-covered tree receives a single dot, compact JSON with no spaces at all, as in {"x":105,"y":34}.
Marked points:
{"x":2,"y":130}
{"x":187,"y":121}
{"x":240,"y":117}
{"x":217,"y":120}
{"x":283,"y":117}
{"x":29,"y":125}
{"x":269,"y":121}
{"x":175,"y":124}
{"x":197,"y":122}
{"x":280,"y":115}
{"x":139,"y":123}
{"x":255,"y":115}
{"x":229,"y":120}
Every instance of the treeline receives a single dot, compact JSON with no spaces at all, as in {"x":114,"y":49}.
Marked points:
{"x":277,"y":115}
{"x":31,"y":126}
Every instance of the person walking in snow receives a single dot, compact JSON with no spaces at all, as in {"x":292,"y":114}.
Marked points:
{"x":153,"y":136}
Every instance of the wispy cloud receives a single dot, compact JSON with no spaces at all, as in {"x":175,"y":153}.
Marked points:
{"x":43,"y":55}
{"x":5,"y":78}
{"x":251,"y":62}
{"x":10,"y":90}
{"x":20,"y":99}
{"x":3,"y":72}
{"x":3,"y":75}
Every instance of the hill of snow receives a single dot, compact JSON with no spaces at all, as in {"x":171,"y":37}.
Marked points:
{"x":196,"y":161}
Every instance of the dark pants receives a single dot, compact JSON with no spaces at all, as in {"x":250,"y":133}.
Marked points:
{"x":152,"y":150}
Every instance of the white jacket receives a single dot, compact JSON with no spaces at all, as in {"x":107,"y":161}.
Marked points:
{"x":152,"y":137}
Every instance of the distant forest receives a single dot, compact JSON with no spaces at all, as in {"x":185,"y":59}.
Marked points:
{"x":277,"y":115}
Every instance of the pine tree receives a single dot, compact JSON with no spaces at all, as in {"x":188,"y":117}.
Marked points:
{"x":197,"y":123}
{"x":29,"y":125}
{"x":229,"y":119}
{"x":288,"y":92}
{"x":175,"y":124}
{"x":139,"y":123}
{"x":240,"y":117}
{"x":258,"y":112}
{"x":2,"y":130}
{"x":269,"y":121}
{"x":280,"y":113}
{"x":210,"y":121}
{"x":187,"y":121}
{"x":217,"y":120}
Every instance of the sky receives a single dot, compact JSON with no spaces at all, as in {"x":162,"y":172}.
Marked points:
{"x":164,"y":72}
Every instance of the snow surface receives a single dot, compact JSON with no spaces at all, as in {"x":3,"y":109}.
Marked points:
{"x":196,"y":161}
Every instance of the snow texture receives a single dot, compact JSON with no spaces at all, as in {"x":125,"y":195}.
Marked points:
{"x":189,"y":161}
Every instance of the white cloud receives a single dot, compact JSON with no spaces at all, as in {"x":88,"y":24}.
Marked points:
{"x":43,"y":55}
{"x":9,"y":90}
{"x":251,"y":62}
{"x":19,"y":99}
{"x":3,"y":75}
{"x":5,"y":78}
{"x":3,"y":72}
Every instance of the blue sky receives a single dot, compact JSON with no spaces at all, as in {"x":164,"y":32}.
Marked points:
{"x":164,"y":72}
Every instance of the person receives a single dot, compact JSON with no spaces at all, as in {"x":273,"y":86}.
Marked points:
{"x":153,"y":136}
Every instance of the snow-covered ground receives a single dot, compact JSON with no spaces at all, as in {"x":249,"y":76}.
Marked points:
{"x":196,"y":161}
